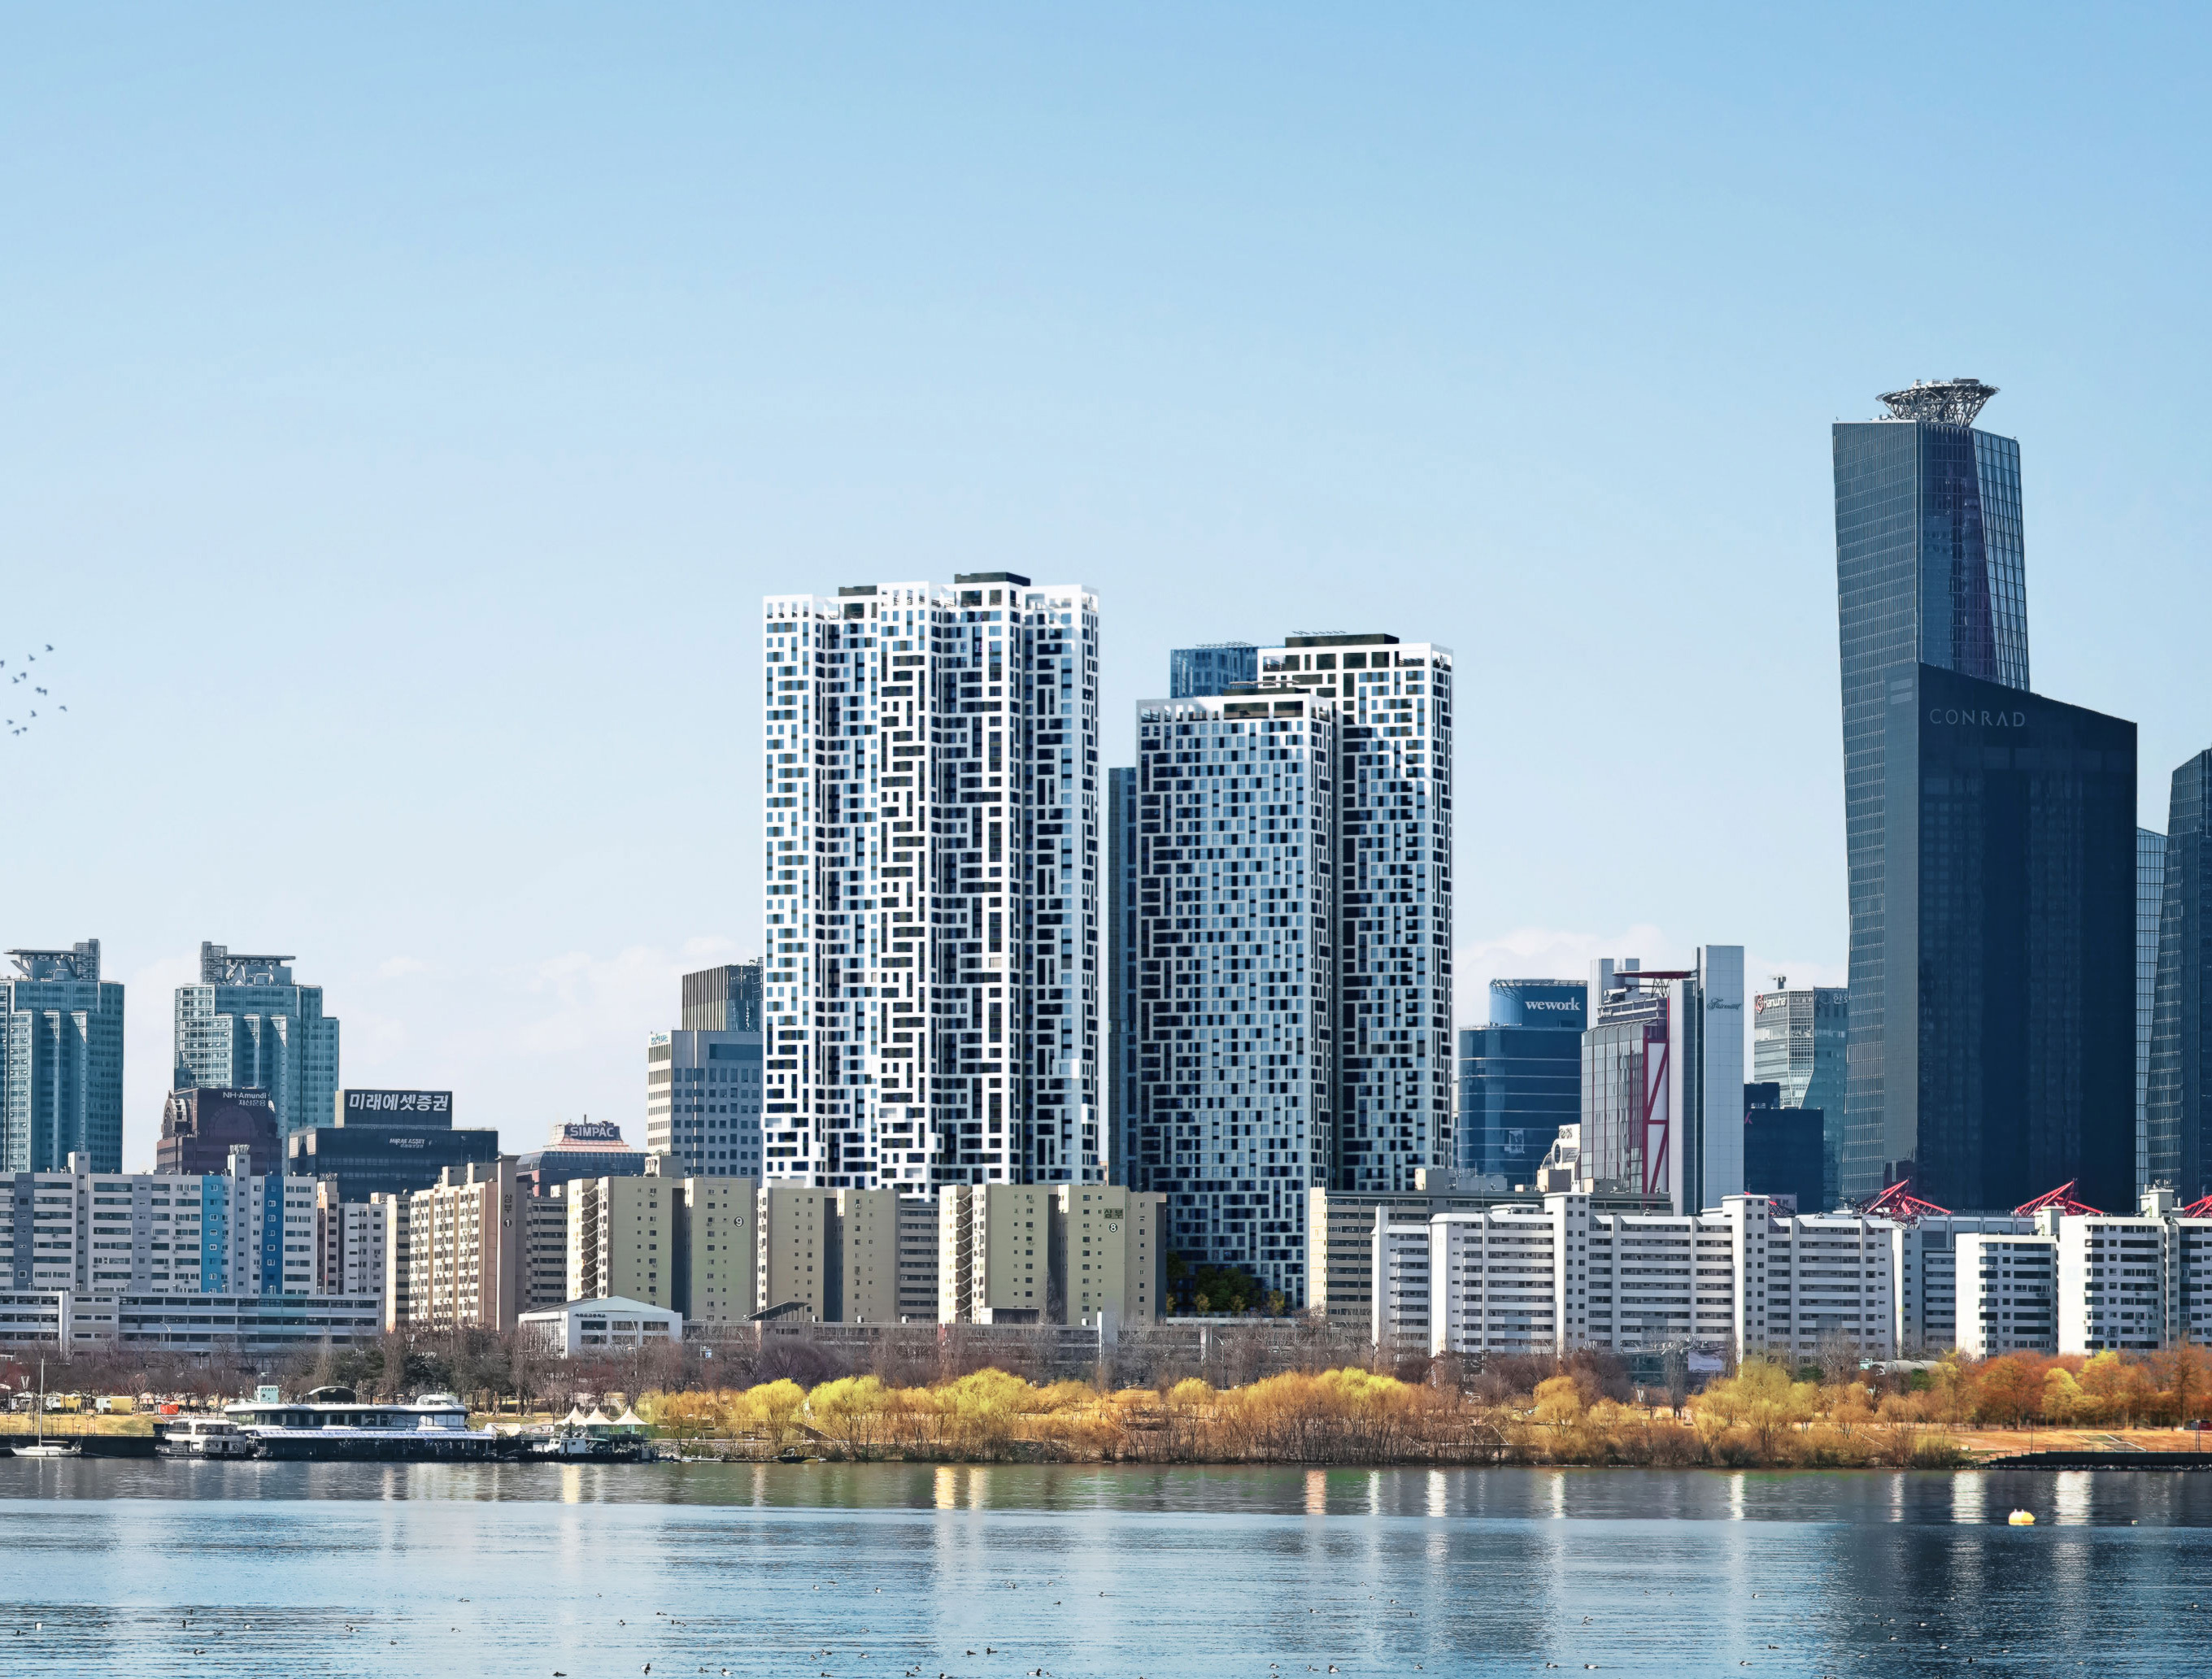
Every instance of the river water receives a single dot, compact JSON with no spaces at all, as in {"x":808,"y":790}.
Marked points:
{"x":892,"y":1572}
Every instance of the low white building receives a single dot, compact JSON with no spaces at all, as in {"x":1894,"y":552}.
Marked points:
{"x":2010,"y":1288}
{"x":2112,"y":1281}
{"x":1551,"y":1278}
{"x":247,"y":1324}
{"x":606,"y":1325}
{"x":1400,"y":1257}
{"x":1924,"y":1257}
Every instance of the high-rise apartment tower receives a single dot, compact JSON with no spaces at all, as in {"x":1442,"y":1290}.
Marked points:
{"x":1390,"y":840}
{"x":1236,"y":1073}
{"x":931,"y":991}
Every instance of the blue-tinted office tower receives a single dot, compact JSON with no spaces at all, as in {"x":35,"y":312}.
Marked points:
{"x":61,"y":1062}
{"x":1990,"y":834}
{"x":1520,"y":1077}
{"x":2178,"y":1118}
{"x":1213,"y":668}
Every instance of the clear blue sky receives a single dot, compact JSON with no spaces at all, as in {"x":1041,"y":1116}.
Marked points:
{"x":405,"y":410}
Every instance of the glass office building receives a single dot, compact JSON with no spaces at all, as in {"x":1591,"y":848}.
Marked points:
{"x":248,"y":1026}
{"x":1212,"y":669}
{"x":61,"y":1062}
{"x":723,"y":999}
{"x":2013,"y":872}
{"x":1520,"y":1076}
{"x":1798,"y":1040}
{"x":1990,"y":834}
{"x":2150,"y":905}
{"x":2176,"y":1115}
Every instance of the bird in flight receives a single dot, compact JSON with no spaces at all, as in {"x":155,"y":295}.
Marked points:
{"x":14,"y":727}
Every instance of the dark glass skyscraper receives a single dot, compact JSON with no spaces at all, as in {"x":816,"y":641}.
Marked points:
{"x":2177,"y":1119}
{"x":1991,"y":835}
{"x":2150,"y":906}
{"x":1520,"y":1077}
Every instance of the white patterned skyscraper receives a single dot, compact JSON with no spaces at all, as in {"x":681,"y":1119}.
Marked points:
{"x":1235,"y":1075}
{"x":1392,"y":846}
{"x":931,"y":989}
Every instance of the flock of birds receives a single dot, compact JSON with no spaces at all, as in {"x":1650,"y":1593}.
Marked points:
{"x":22,"y":726}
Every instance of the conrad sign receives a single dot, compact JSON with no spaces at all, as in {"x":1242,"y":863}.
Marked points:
{"x":1965,"y":717}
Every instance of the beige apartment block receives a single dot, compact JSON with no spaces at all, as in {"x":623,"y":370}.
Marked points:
{"x":721,"y":1250}
{"x":796,"y":1240}
{"x":1106,"y":1254}
{"x":917,"y":1259}
{"x":545,"y":1249}
{"x":622,"y":1238}
{"x":867,"y":1257}
{"x":994,"y":1253}
{"x":454,"y":1252}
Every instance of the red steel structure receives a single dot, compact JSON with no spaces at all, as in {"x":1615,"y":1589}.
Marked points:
{"x":2062,"y":1198}
{"x":1898,"y":1202}
{"x":2197,"y":1209}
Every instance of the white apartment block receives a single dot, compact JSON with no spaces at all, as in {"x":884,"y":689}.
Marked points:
{"x":1925,"y":1258}
{"x":253,"y":1324}
{"x":1400,"y":1256}
{"x":1392,"y":844}
{"x":97,"y":1234}
{"x":1235,"y":1088}
{"x":1524,"y":1278}
{"x":2112,"y":1279}
{"x":931,"y":991}
{"x":2011,"y":1283}
{"x":349,"y":1244}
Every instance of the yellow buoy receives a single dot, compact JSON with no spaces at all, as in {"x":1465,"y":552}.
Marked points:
{"x":2022,"y":1518}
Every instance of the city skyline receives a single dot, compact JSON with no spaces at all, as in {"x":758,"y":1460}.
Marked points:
{"x":1301,"y":353}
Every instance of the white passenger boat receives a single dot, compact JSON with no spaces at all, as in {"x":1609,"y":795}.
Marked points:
{"x":332,"y":1423}
{"x":203,"y":1437}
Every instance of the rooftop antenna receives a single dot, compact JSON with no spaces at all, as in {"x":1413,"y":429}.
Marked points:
{"x":1944,"y":402}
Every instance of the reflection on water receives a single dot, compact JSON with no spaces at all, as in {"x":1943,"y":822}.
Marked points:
{"x":389,"y":1569}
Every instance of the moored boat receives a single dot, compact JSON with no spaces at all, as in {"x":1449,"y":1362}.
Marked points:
{"x":333,"y":1424}
{"x":203,"y":1437}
